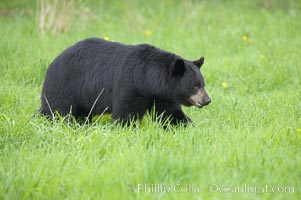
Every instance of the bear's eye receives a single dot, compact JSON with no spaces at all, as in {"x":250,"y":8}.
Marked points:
{"x":197,"y":85}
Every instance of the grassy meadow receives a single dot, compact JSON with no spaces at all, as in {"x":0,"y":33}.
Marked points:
{"x":245,"y":145}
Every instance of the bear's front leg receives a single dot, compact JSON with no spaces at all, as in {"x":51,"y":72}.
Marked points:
{"x":129,"y":107}
{"x":171,"y":111}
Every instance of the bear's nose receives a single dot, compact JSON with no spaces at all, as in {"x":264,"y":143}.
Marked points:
{"x":206,"y":101}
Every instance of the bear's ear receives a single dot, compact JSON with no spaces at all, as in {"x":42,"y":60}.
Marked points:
{"x":199,"y":62}
{"x":178,"y":68}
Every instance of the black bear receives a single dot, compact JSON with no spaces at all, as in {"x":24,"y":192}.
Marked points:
{"x":96,"y":75}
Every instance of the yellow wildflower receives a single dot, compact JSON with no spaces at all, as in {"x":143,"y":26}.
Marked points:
{"x":262,"y":56}
{"x":244,"y":37}
{"x":224,"y":84}
{"x":147,"y":33}
{"x":106,"y":38}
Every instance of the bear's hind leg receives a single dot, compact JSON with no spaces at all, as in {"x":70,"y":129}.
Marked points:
{"x":52,"y":107}
{"x":64,"y":108}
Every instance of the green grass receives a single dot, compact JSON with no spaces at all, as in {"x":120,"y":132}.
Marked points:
{"x":250,"y":134}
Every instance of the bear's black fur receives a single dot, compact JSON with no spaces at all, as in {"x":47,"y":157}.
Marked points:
{"x":130,"y":79}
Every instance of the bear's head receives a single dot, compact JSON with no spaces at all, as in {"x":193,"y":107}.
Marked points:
{"x":188,"y":83}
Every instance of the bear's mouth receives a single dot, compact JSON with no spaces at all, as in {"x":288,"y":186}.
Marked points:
{"x":199,"y":99}
{"x":195,"y":103}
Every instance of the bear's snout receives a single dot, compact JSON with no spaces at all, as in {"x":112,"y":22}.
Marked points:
{"x":200,"y":98}
{"x":206,"y":100}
